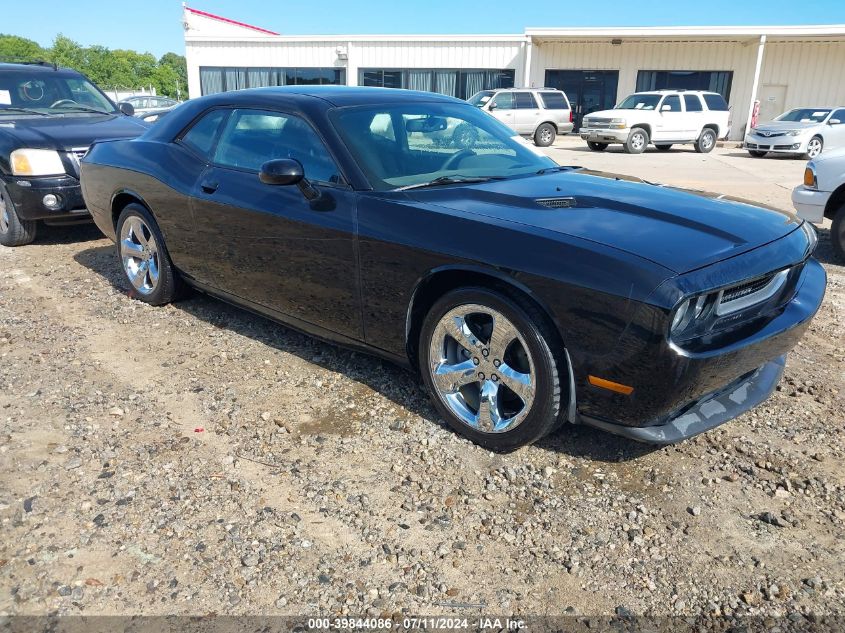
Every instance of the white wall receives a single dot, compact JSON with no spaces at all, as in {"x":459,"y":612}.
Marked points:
{"x":632,"y":56}
{"x":376,"y":53}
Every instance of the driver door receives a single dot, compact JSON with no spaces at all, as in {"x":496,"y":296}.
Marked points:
{"x":670,"y":122}
{"x":835,"y":133}
{"x":267,"y":244}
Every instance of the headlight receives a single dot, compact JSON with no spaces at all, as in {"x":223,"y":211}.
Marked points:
{"x":36,"y":162}
{"x":795,"y":132}
{"x":689,"y":313}
{"x":812,"y":236}
{"x":810,"y":176}
{"x":619,"y":124}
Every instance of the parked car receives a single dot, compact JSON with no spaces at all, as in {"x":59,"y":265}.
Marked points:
{"x":151,"y":116}
{"x":662,"y":118}
{"x":538,"y":113}
{"x":527,"y":294}
{"x":822,"y":195}
{"x":143,"y":104}
{"x":48,"y":118}
{"x":802,"y":131}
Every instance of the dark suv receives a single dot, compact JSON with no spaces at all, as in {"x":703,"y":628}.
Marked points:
{"x":48,"y":118}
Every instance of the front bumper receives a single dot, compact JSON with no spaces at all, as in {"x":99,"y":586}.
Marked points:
{"x":604,"y":135}
{"x":711,"y":411}
{"x":670,"y":382}
{"x":28,"y":196}
{"x":780,"y":144}
{"x":809,"y":203}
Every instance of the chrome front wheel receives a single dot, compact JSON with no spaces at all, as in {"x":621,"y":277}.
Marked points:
{"x":481,"y":368}
{"x":139,"y":254}
{"x":814,"y":147}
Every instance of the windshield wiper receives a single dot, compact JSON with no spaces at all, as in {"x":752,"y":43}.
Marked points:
{"x":549,"y":170}
{"x":26,"y":110}
{"x":79,"y":108}
{"x":449,"y":180}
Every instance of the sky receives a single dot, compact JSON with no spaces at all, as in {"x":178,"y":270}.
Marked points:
{"x":155,"y":25}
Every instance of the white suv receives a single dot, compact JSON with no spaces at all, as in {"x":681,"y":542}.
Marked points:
{"x":660,"y":117}
{"x":541,"y":113}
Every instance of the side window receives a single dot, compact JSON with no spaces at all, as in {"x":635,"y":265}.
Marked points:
{"x":524,"y":100}
{"x":692,"y":103}
{"x":839,"y":115}
{"x":204,"y":132}
{"x":674,"y":101}
{"x":252,"y":137}
{"x":504,"y":101}
{"x":715,"y":102}
{"x":554,"y":101}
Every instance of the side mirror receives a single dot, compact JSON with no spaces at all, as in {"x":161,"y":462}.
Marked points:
{"x":492,"y":106}
{"x":665,"y":108}
{"x":287,"y":171}
{"x":834,"y":122}
{"x":127,"y":108}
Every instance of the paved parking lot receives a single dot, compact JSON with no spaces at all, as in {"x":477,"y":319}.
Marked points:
{"x":727,"y":169}
{"x":197,"y":459}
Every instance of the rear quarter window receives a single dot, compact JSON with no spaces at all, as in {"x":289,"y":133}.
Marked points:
{"x":203,"y":134}
{"x":554,"y":101}
{"x":715,"y":102}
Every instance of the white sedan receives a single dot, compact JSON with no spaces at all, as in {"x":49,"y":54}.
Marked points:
{"x":805,"y":131}
{"x":822,"y":195}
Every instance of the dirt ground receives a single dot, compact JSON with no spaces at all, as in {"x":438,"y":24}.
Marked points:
{"x":197,"y":459}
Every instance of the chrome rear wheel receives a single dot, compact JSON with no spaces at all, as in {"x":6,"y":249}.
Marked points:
{"x":140,"y":255}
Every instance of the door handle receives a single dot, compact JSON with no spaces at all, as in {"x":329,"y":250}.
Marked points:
{"x":209,"y":187}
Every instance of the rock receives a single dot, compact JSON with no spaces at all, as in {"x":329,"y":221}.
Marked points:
{"x":250,"y":560}
{"x":694,"y":510}
{"x":73,"y":462}
{"x":116,"y":412}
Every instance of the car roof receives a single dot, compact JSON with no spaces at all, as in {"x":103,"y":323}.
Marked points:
{"x":675,"y":91}
{"x":36,"y":67}
{"x":335,"y":95}
{"x":543,"y":89}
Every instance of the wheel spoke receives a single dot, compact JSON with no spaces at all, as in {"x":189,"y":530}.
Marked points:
{"x":458,"y":329}
{"x":153,"y":271}
{"x":138,"y":231}
{"x":517,"y":382}
{"x":140,"y":275}
{"x":131,"y":249}
{"x":488,"y":419}
{"x":449,"y":378}
{"x":501,"y":337}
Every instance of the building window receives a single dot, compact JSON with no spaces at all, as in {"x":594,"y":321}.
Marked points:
{"x":712,"y":80}
{"x":220,"y":79}
{"x":454,"y":83}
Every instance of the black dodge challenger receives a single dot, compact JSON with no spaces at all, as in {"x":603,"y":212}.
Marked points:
{"x":418,"y":228}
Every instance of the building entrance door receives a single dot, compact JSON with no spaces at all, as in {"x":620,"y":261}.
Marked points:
{"x":588,"y":90}
{"x":772,"y":102}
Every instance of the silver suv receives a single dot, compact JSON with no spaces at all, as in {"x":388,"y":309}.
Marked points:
{"x":541,"y":113}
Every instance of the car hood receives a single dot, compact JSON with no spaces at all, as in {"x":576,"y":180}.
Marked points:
{"x":781,"y":126}
{"x":615,"y":114}
{"x":681,"y":230}
{"x":64,"y":133}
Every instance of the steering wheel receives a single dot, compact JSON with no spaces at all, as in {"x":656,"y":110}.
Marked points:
{"x":62,"y":102}
{"x":457,"y":157}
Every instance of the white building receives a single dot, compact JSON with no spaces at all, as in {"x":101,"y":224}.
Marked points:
{"x":779,"y":66}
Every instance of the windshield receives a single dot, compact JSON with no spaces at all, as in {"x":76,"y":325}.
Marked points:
{"x":49,"y":93}
{"x":639,"y":102}
{"x":416,"y":143}
{"x":480,"y":98}
{"x":804,"y":115}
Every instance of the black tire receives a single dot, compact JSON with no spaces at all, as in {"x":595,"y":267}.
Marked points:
{"x":811,"y":155}
{"x":837,"y":234}
{"x":706,"y":141}
{"x":663,"y":147}
{"x":544,"y":135}
{"x":169,"y":286}
{"x":756,"y":154}
{"x":596,"y":146}
{"x":13,"y":230}
{"x":637,"y":141}
{"x":550,"y":368}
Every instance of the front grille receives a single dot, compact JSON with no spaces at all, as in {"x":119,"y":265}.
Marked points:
{"x":596,"y":123}
{"x":750,"y":293}
{"x":770,"y":134}
{"x":556,"y":203}
{"x":75,"y":155}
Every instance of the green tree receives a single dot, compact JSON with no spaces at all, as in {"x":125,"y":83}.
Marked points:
{"x":19,"y":49}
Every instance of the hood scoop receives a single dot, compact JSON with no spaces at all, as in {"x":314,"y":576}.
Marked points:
{"x":556,"y":203}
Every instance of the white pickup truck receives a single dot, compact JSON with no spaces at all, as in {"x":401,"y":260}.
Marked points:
{"x":822,"y":195}
{"x":662,"y":118}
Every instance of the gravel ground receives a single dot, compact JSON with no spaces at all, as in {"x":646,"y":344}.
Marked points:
{"x":198,"y":459}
